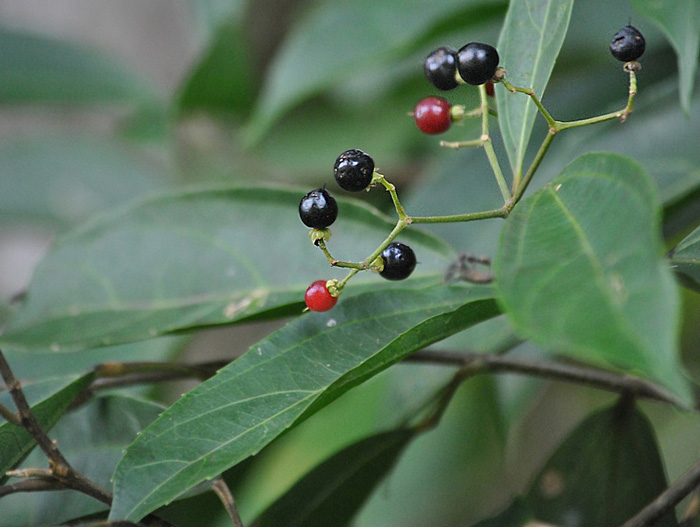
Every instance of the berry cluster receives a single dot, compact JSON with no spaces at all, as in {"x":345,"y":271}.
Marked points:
{"x":353,"y":171}
{"x":445,"y":68}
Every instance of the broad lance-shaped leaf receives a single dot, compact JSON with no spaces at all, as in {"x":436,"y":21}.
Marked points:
{"x":680,"y":21}
{"x":604,"y":473}
{"x":49,"y":400}
{"x":332,"y":492}
{"x":580,"y":270}
{"x":529,"y":44}
{"x":686,"y":259}
{"x":194,"y":258}
{"x":280,"y":381}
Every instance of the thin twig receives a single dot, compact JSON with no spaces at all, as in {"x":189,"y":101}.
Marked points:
{"x":667,"y":499}
{"x":219,"y":486}
{"x":489,"y":363}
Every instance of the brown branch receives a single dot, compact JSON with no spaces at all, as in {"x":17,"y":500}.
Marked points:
{"x":489,"y":363}
{"x":219,"y":486}
{"x":668,"y":499}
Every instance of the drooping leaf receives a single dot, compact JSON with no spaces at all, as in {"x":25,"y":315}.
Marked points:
{"x":92,"y":439}
{"x":580,"y":270}
{"x":529,"y":44}
{"x":281,"y":380}
{"x":686,"y":259}
{"x":193,"y":258}
{"x":604,"y":473}
{"x":336,"y":40}
{"x":38,"y":69}
{"x":680,"y":21}
{"x":61,"y":181}
{"x":48,"y":400}
{"x":332,"y":492}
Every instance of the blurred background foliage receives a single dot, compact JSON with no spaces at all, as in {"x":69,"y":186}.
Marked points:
{"x":104,"y":102}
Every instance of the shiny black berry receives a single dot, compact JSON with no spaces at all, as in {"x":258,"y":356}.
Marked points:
{"x":477,"y":62}
{"x":399,"y":261}
{"x":627,"y":44}
{"x":440,"y":68}
{"x":318,"y":209}
{"x":353,"y":170}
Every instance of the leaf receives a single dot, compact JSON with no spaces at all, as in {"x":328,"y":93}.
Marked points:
{"x":604,"y":473}
{"x":686,"y":259}
{"x":332,"y":492}
{"x":48,"y":400}
{"x":282,"y":380}
{"x":680,"y":21}
{"x":37,"y":69}
{"x":189,"y":259}
{"x":222,"y":79}
{"x":337,"y":40}
{"x":579,"y":270}
{"x":92,"y":439}
{"x":529,"y":44}
{"x":61,"y":181}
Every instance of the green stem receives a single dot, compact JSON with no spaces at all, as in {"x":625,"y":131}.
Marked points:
{"x":391,"y":188}
{"x":500,"y":212}
{"x":333,"y":261}
{"x":522,"y":187}
{"x":488,"y":145}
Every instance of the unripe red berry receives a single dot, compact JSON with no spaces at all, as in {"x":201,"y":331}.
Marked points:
{"x":432,"y":115}
{"x":318,"y":298}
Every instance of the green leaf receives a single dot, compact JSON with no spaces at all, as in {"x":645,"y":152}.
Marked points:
{"x":222,"y":78}
{"x":38,"y":69}
{"x":337,"y":40}
{"x":93,"y":440}
{"x":580,"y":271}
{"x":63,"y":180}
{"x":194,"y":258}
{"x":48,"y":400}
{"x":604,"y":473}
{"x":529,"y":44}
{"x":332,"y":492}
{"x":282,"y":380}
{"x":680,"y":21}
{"x":686,"y":259}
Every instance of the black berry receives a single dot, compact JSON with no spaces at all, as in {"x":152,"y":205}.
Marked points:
{"x":399,"y":261}
{"x":353,"y":170}
{"x":477,"y":62}
{"x":432,"y":115}
{"x":440,"y":68}
{"x":627,"y":44}
{"x":318,"y":209}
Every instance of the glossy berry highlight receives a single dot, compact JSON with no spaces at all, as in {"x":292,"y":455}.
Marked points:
{"x":477,"y":62}
{"x":399,"y":261}
{"x":627,"y":44}
{"x":318,"y":298}
{"x":318,"y":209}
{"x":440,"y":68}
{"x":353,"y":170}
{"x":432,"y":115}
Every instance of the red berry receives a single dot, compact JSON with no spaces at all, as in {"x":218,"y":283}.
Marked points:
{"x":318,"y":298}
{"x":432,"y":115}
{"x":489,"y":89}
